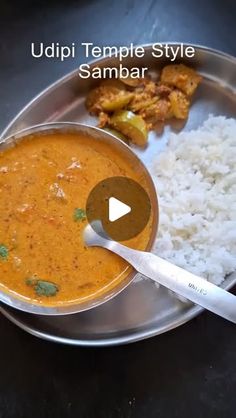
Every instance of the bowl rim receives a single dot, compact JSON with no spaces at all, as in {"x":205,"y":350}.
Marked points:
{"x":21,"y":303}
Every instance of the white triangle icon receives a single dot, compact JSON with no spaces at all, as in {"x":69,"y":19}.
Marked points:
{"x":117,"y":209}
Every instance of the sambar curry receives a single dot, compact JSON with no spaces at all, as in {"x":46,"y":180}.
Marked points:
{"x":45,"y":180}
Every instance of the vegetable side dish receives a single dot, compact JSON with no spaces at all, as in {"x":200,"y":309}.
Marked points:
{"x":44,"y":184}
{"x":134,"y":106}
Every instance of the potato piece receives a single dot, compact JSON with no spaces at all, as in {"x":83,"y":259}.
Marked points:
{"x":93,"y":101}
{"x":182,"y":77}
{"x":179,"y":104}
{"x":105,"y":92}
{"x":144,"y":96}
{"x":159,"y":111}
{"x":130,"y":125}
{"x":116,"y":102}
{"x":142,"y":102}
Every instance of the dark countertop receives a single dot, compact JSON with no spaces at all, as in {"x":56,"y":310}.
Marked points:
{"x":188,"y":372}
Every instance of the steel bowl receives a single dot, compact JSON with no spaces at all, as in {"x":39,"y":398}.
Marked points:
{"x":22,"y":303}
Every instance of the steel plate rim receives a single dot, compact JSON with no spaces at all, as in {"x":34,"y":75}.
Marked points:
{"x":194,"y":311}
{"x":108,"y":342}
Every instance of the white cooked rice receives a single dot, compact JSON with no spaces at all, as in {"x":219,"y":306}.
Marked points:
{"x":195,"y":178}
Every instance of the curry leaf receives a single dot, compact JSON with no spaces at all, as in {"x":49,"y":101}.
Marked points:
{"x":79,"y":214}
{"x":3,"y":251}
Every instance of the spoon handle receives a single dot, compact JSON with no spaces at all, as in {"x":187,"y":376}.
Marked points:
{"x":180,"y":281}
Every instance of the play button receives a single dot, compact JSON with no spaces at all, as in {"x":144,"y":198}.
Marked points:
{"x":122,"y":205}
{"x":117,"y":209}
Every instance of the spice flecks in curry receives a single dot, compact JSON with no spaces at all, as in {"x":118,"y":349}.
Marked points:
{"x":44,"y":184}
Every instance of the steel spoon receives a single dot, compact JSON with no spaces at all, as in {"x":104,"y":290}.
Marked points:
{"x":180,"y":281}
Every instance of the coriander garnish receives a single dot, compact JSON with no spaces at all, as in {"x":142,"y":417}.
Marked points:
{"x":3,"y":251}
{"x":42,"y":287}
{"x":79,"y":214}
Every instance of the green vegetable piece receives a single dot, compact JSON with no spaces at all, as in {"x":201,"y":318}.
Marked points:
{"x":116,"y":103}
{"x":3,"y":251}
{"x":117,"y":134}
{"x":79,"y":214}
{"x":42,"y":287}
{"x":131,"y":125}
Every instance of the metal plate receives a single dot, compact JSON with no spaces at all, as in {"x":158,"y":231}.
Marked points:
{"x":142,"y":310}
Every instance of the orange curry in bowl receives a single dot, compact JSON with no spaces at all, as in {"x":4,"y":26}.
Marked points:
{"x":45,"y":180}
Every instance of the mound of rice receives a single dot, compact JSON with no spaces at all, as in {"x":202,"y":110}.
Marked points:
{"x":195,"y":178}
